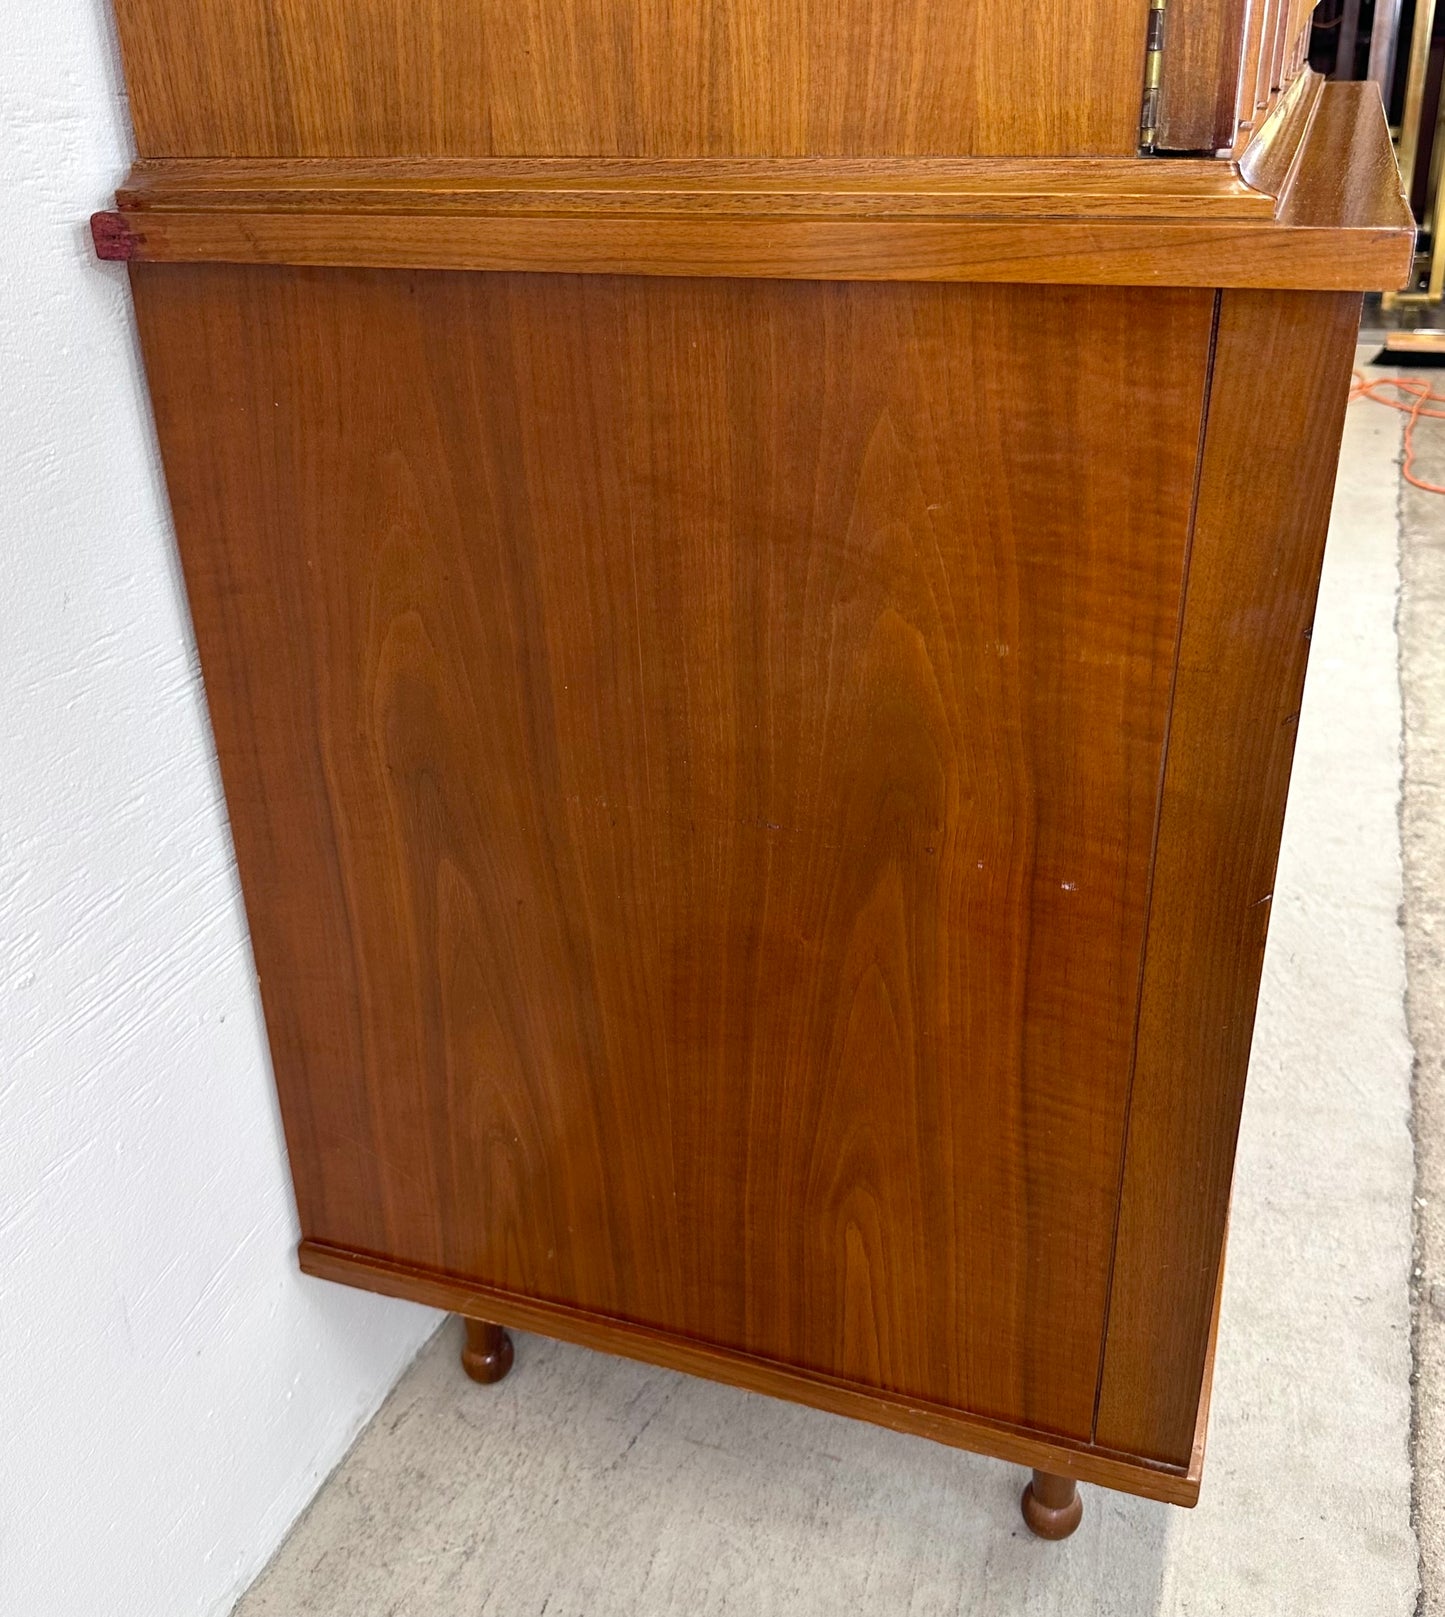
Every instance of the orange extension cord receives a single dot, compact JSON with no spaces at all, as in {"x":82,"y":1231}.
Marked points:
{"x":1420,"y":395}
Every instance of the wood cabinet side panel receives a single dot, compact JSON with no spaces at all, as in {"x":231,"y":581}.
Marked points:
{"x":1276,"y":406}
{"x":692,"y":749}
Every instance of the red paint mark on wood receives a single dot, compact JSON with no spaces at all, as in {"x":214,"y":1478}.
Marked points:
{"x":113,"y":236}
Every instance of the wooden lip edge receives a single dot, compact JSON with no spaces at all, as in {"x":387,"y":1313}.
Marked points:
{"x":1149,"y":1479}
{"x":1321,"y":240}
{"x":957,"y":187}
{"x":1044,"y":252}
{"x":1265,"y":163}
{"x":1304,"y":150}
{"x":1345,"y":171}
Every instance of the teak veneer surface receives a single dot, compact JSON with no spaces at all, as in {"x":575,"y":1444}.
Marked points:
{"x":644,"y":78}
{"x":1203,"y":41}
{"x":1174,"y":1484}
{"x":693,"y":751}
{"x":752,"y":565}
{"x":1243,"y":649}
{"x":1225,"y":63}
{"x":968,"y":187}
{"x":1315,"y":204}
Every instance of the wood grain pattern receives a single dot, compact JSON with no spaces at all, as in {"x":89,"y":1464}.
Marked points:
{"x":1285,"y":42}
{"x":1314,"y":204}
{"x":873,"y":188}
{"x":1246,"y":107}
{"x":1272,"y":18}
{"x":1269,"y":159}
{"x":1086,"y":1462}
{"x":756,"y":726}
{"x":1225,"y":64}
{"x":692,"y":751}
{"x":1061,"y":1456}
{"x":1203,"y":46}
{"x":666,"y":78}
{"x":1057,"y":252}
{"x":1360,"y":186}
{"x":1231,"y":741}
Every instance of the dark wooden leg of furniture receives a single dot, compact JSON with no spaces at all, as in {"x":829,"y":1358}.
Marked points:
{"x":1051,"y":1505}
{"x":488,"y":1354}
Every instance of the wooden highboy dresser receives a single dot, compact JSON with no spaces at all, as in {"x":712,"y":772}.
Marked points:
{"x":753,"y":563}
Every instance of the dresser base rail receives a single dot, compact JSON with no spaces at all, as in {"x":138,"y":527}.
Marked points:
{"x":1055,"y":1456}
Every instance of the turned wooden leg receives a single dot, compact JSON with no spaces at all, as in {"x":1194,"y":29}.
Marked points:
{"x":488,"y":1354}
{"x":1051,"y":1505}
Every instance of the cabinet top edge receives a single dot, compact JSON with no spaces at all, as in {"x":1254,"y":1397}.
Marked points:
{"x":981,"y":187}
{"x":1338,"y":222}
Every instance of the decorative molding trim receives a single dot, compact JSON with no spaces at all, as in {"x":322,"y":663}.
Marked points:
{"x":1060,"y":1456}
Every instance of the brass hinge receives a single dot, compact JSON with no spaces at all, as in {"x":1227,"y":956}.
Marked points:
{"x":1153,"y":75}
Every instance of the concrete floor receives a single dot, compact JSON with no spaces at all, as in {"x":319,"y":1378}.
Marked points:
{"x":585,"y":1486}
{"x":1422,"y":824}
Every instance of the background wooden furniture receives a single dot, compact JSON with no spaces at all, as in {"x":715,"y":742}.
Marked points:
{"x":753,"y":568}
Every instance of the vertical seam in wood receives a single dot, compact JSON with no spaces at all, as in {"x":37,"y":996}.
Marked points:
{"x":1154,"y":853}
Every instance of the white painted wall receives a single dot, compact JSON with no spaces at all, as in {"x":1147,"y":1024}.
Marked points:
{"x":171,"y":1389}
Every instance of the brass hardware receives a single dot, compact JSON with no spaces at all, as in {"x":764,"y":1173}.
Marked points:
{"x":1415,"y":90}
{"x":1153,"y":76}
{"x":1382,"y":44}
{"x":1407,"y":152}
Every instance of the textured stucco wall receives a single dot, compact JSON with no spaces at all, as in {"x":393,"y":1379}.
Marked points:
{"x":171,"y":1390}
